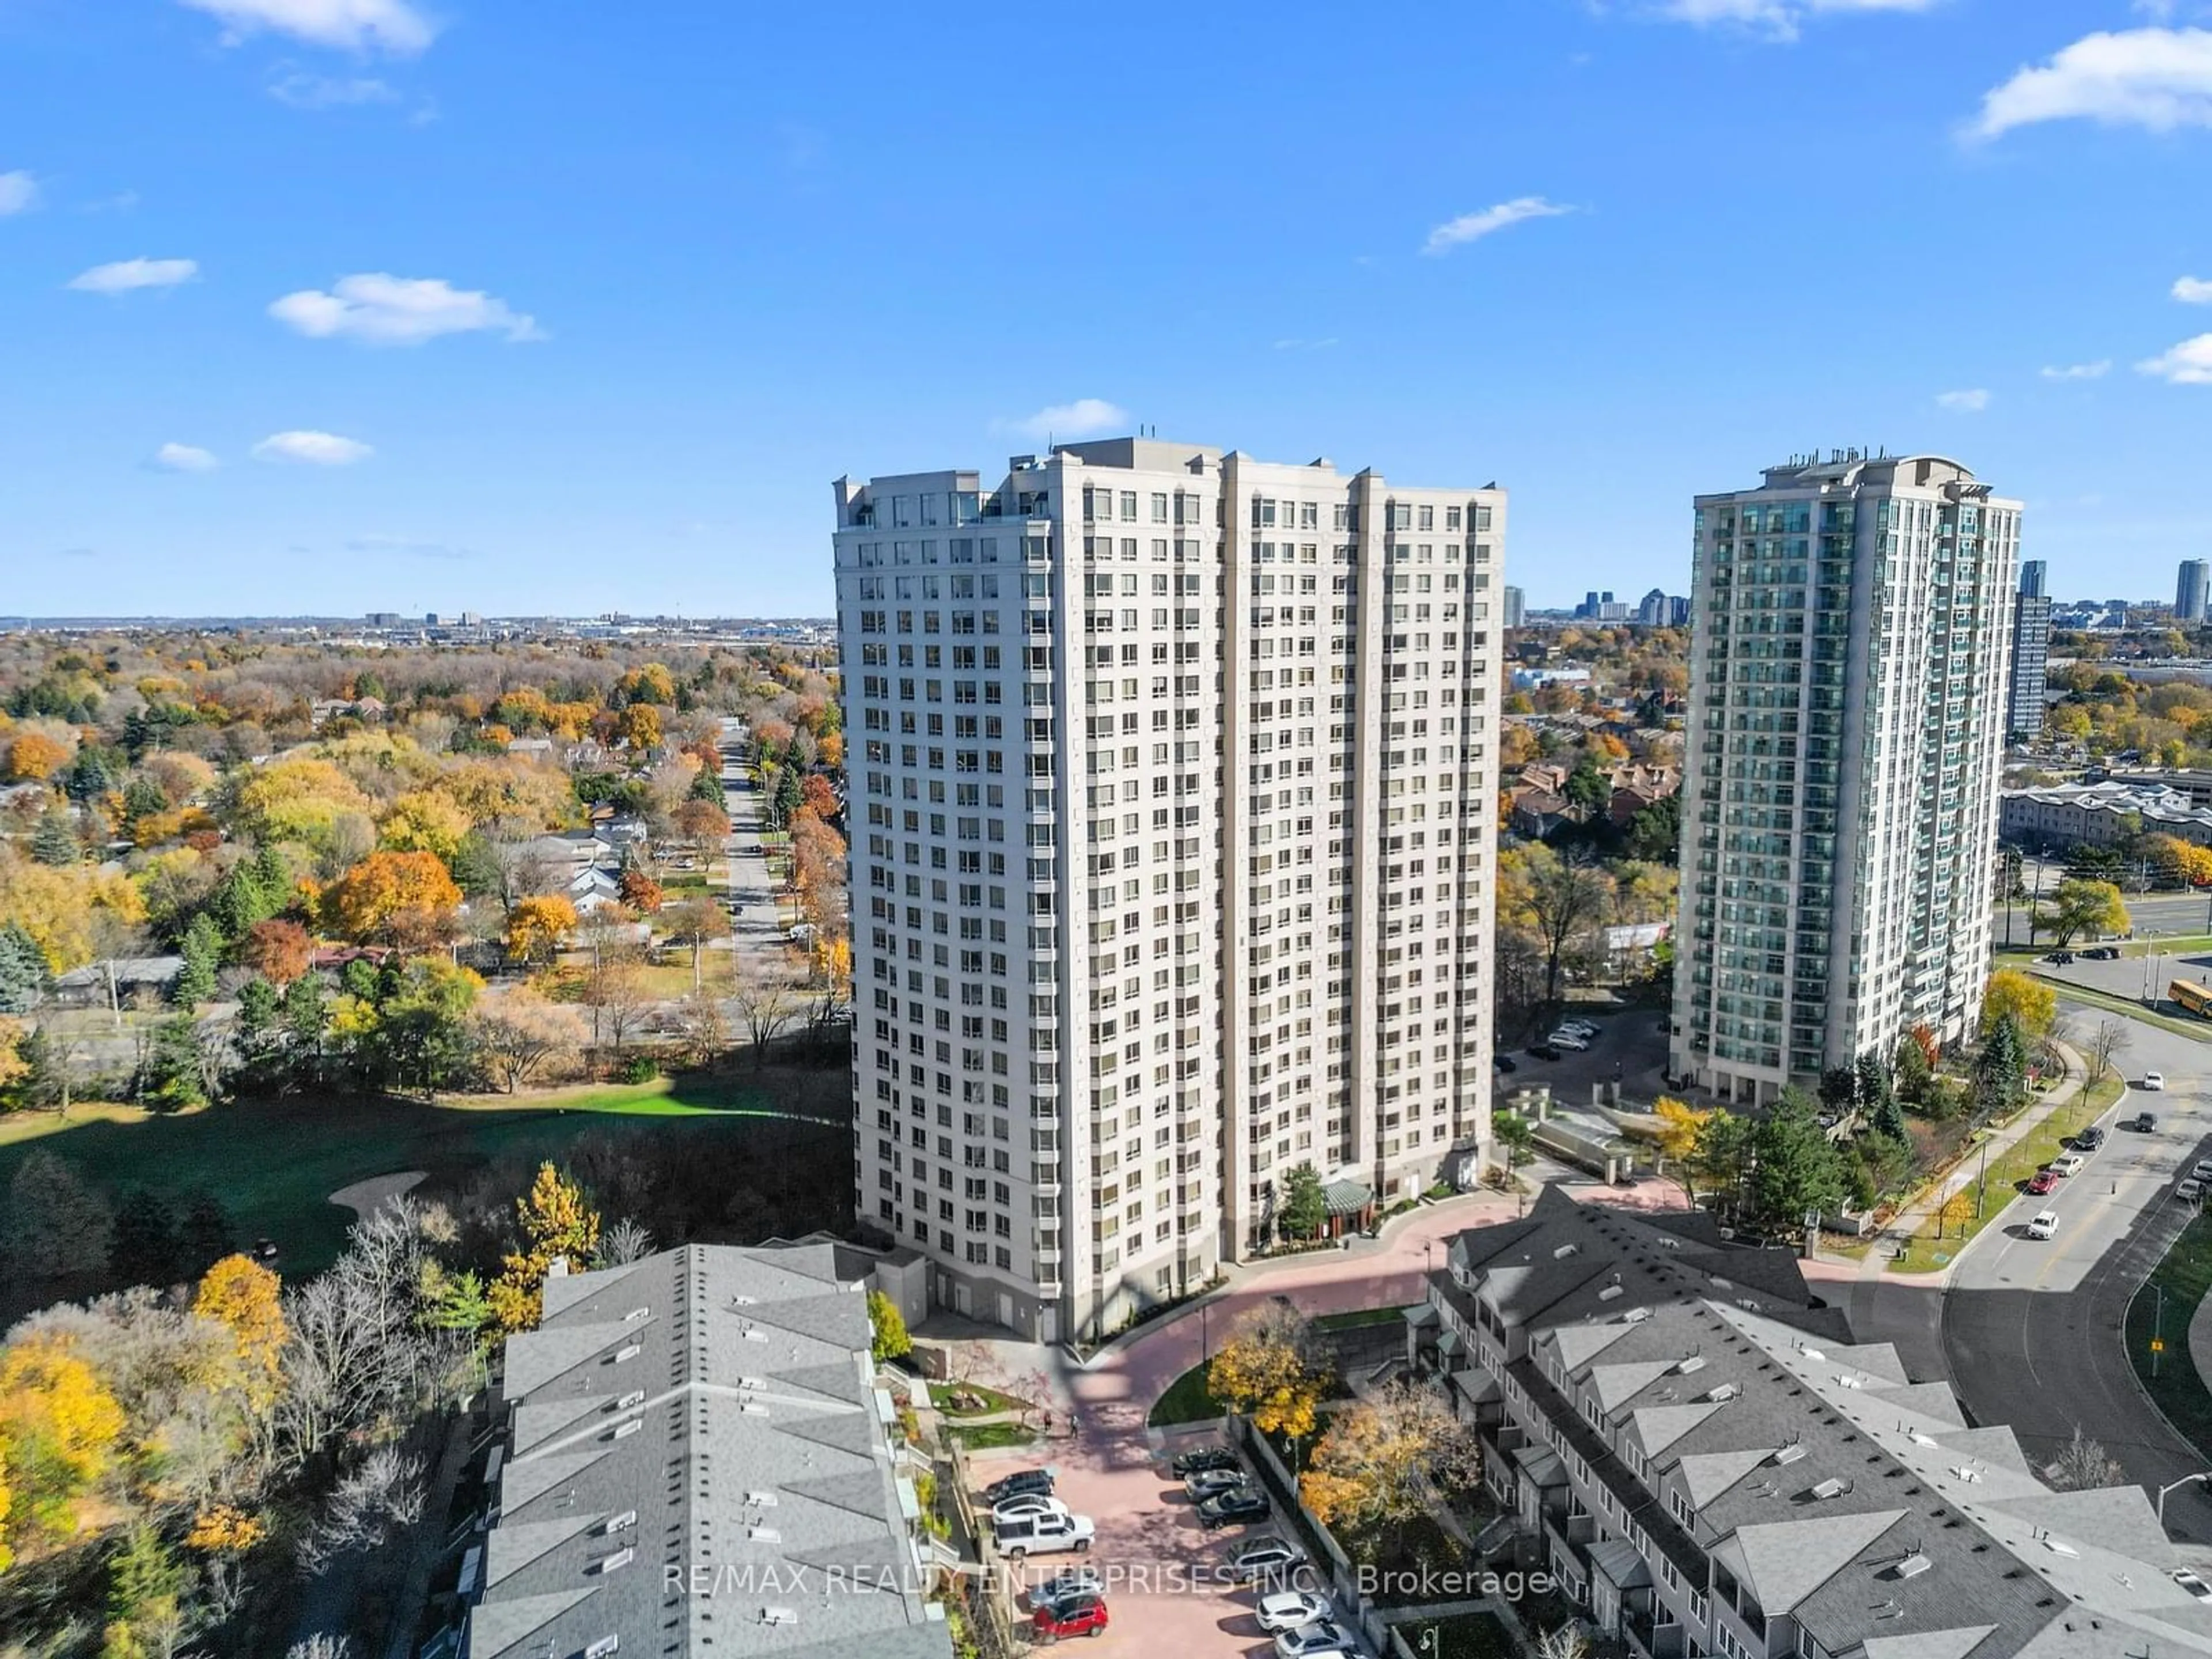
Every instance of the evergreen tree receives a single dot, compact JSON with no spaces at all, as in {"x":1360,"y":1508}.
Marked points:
{"x":90,"y":775}
{"x":54,"y":842}
{"x":206,"y":1235}
{"x":1839,"y":1090}
{"x":259,"y":1035}
{"x":1914,"y":1073}
{"x":1880,"y":1099}
{"x":787,"y":795}
{"x":1798,"y":1169}
{"x":358,"y":979}
{"x":172,"y":1078}
{"x":141,"y":798}
{"x":22,"y":970}
{"x":2001,"y":1068}
{"x":202,"y":950}
{"x":142,"y":1241}
{"x":1305,"y":1202}
{"x":305,"y":1013}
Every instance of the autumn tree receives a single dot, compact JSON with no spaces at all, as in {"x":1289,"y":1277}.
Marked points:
{"x":2084,"y":1465}
{"x":2083,"y":905}
{"x":1395,"y":1455}
{"x":888,"y":1338}
{"x":696,"y":922}
{"x":1678,"y":1127}
{"x":33,"y":757}
{"x":2032,"y":1002}
{"x":279,"y":950}
{"x":519,"y":1035}
{"x":555,"y":1221}
{"x":390,"y":897}
{"x":641,"y":892}
{"x":424,"y":821}
{"x":1557,"y":898}
{"x":536,"y":925}
{"x":767,"y":999}
{"x":701,"y":822}
{"x":246,"y":1298}
{"x":59,"y":1426}
{"x":299,"y":798}
{"x":1272,"y":1370}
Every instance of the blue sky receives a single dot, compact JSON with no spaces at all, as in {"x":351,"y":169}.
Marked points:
{"x":340,"y":305}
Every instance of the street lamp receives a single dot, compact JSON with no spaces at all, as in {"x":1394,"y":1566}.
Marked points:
{"x":2185,"y":1480}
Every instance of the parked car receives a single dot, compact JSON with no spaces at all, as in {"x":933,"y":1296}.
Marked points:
{"x":2144,"y":1123}
{"x":1544,"y":1051}
{"x":1311,"y":1641}
{"x":2068,"y":1164}
{"x":1020,"y":1484}
{"x":1199,"y":1458}
{"x":2201,"y":1170}
{"x":1212,"y":1483}
{"x":2190,"y":1191}
{"x":1044,"y":1535}
{"x":2062,"y":957}
{"x":2042,"y":1182}
{"x":1027,"y":1503}
{"x":1567,"y":1040}
{"x":2044,"y":1224}
{"x":1581,"y":1028}
{"x":2103,"y":953}
{"x":2190,"y":1581}
{"x":1505,"y":1062}
{"x":1265,"y":1555}
{"x":1233,"y":1509}
{"x":1082,"y":1615}
{"x":2089,"y":1140}
{"x":1289,"y":1609}
{"x":1066,"y":1586}
{"x":2153,"y":1080}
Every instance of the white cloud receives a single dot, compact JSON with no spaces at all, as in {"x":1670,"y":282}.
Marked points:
{"x":304,"y":91}
{"x":1473,"y":227}
{"x":18,"y":193}
{"x":1084,"y":419}
{"x":2095,"y":371}
{"x":185,"y":458}
{"x":2189,"y":363}
{"x":379,"y":309}
{"x":314,"y":448}
{"x":1967,"y":403}
{"x":390,"y":26}
{"x":2156,"y":78}
{"x":125,"y":275}
{"x":2192,"y":290}
{"x":1779,"y":19}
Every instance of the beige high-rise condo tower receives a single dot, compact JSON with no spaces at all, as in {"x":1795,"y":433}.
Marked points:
{"x":1171,"y":801}
{"x":1848,"y":687}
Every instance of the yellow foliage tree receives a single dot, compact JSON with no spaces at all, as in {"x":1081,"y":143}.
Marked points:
{"x":639,"y":726}
{"x":58,"y":1426}
{"x":300,"y":798}
{"x":424,"y":821}
{"x":556,"y":1222}
{"x":59,"y":909}
{"x":2030,"y":1001}
{"x":1681,"y":1127}
{"x":1396,"y":1453}
{"x":33,"y":757}
{"x":1269,"y":1371}
{"x":245,"y":1297}
{"x":536,"y":926}
{"x":12,"y":1066}
{"x":224,"y":1529}
{"x":389,"y":894}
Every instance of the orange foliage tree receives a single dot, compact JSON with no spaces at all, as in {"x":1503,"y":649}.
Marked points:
{"x":33,"y":757}
{"x":536,"y":926}
{"x":277,"y":950}
{"x":390,"y":897}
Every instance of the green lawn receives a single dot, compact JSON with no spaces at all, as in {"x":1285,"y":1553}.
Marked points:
{"x":2185,"y":1277}
{"x":990,"y":1436}
{"x":1933,"y":1245}
{"x":274,"y":1163}
{"x":987,"y":1401}
{"x":1187,"y":1399}
{"x":1358,"y":1316}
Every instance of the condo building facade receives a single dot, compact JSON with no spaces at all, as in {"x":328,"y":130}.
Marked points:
{"x":1850,"y":680}
{"x":1172,"y":776}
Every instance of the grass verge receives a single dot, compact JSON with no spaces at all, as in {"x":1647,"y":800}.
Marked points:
{"x":1358,"y":1316}
{"x":2160,"y":1311}
{"x":1186,"y":1400}
{"x":990,"y":1436}
{"x":2180,"y":1024}
{"x":1938,"y":1241}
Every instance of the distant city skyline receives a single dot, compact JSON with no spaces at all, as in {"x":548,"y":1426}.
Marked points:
{"x":335,"y":309}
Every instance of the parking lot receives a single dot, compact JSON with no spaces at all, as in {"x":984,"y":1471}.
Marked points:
{"x":1630,"y":1049}
{"x":1163,"y":1574}
{"x":2132,"y":977}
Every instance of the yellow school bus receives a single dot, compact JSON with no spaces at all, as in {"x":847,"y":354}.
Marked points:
{"x":2188,"y":995}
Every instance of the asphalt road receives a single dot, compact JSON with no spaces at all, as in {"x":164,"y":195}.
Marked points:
{"x":752,"y":896}
{"x":2031,"y":1331}
{"x":2151,"y":913}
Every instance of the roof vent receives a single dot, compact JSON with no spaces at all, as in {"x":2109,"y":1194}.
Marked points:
{"x":602,"y":1648}
{"x":1920,"y":1439}
{"x":754,"y":1383}
{"x":622,"y":1523}
{"x":636,"y":1314}
{"x":779,"y":1615}
{"x":1788,"y":1454}
{"x":765,"y":1500}
{"x":1723,"y":1392}
{"x":1563,"y":1252}
{"x":1608,"y":1293}
{"x":753,"y":1408}
{"x":620,"y":1558}
{"x":628,"y":1351}
{"x":1965,"y":1471}
{"x":1829,"y":1488}
{"x":1913,"y":1566}
{"x":634,"y":1398}
{"x":2059,"y":1546}
{"x":765,"y":1536}
{"x":1636,"y":1316}
{"x":1696,"y":1361}
{"x":628,"y":1426}
{"x":743,"y":1301}
{"x":1843,"y":1382}
{"x":1813,"y":1354}
{"x":755,"y":1334}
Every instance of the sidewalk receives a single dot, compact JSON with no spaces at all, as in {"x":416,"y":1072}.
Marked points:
{"x":1908,"y":1221}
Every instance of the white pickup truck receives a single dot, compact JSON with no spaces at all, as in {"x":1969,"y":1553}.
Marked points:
{"x":1044,"y":1535}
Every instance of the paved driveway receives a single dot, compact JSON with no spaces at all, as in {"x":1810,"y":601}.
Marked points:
{"x":752,"y":897}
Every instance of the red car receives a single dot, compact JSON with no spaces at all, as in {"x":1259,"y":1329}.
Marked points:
{"x":1079,"y":1615}
{"x":2042,"y":1182}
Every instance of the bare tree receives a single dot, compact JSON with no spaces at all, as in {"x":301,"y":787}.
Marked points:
{"x":1565,"y":1642}
{"x":767,"y":1000}
{"x":320,"y":1646}
{"x":616,"y":991}
{"x":2106,"y":1044}
{"x":622,"y":1243}
{"x":519,"y":1034}
{"x":706,"y":1029}
{"x":380,"y":1496}
{"x":2085,"y":1465}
